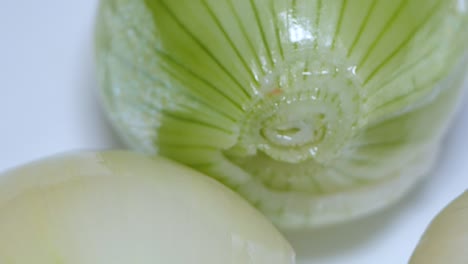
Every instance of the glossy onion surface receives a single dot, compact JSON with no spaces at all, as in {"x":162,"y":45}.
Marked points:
{"x":446,"y":239}
{"x":315,"y":111}
{"x":122,"y":208}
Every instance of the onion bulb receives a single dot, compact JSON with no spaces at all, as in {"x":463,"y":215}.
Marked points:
{"x":446,"y":238}
{"x":122,"y":208}
{"x":316,"y":111}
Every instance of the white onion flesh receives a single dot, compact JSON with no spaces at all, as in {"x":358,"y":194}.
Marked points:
{"x":119,"y":207}
{"x":446,"y":239}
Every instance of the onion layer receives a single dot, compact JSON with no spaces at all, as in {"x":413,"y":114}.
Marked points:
{"x":121,"y":208}
{"x":316,"y":111}
{"x":446,"y":239}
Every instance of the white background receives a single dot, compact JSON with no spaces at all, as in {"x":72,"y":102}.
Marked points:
{"x":49,"y":104}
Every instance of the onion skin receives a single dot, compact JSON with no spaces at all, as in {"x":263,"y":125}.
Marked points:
{"x":120,"y":207}
{"x":446,"y":238}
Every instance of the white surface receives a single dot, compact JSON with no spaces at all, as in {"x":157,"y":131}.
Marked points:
{"x":48,"y":104}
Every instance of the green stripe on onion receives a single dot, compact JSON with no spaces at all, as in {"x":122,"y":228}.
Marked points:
{"x":316,"y":111}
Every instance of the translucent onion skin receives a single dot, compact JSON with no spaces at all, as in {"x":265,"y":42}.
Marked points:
{"x":122,"y":208}
{"x":316,"y":111}
{"x":446,"y":239}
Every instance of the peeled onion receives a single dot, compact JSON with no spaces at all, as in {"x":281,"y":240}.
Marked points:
{"x":119,"y":207}
{"x":317,"y":112}
{"x":446,"y":239}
